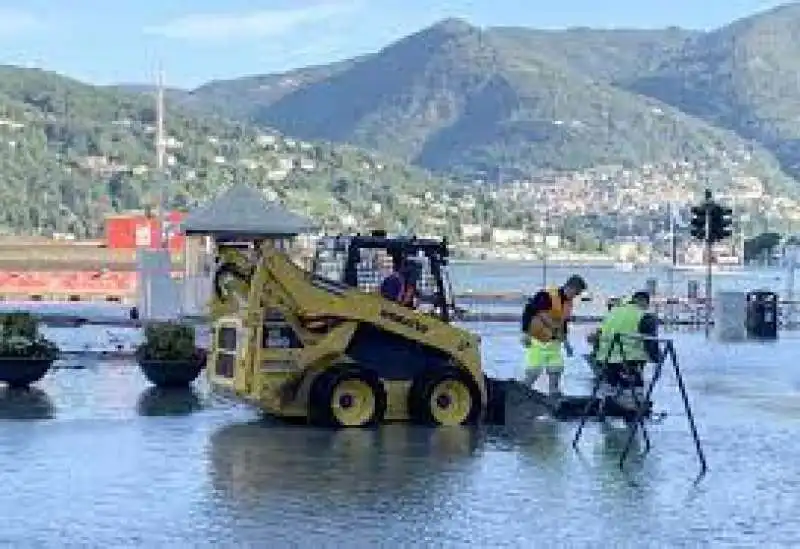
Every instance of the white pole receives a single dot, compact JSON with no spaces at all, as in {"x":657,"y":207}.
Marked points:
{"x":792,"y":264}
{"x":160,"y":154}
{"x":545,"y":229}
{"x":671,"y":313}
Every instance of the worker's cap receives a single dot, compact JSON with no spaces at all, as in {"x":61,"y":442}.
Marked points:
{"x":641,"y":295}
{"x":577,"y":282}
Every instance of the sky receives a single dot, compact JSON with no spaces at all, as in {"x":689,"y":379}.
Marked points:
{"x":105,"y":42}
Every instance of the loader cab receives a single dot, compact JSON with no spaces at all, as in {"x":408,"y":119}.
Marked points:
{"x":363,"y":261}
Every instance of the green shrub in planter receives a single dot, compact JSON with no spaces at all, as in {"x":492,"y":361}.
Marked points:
{"x":22,"y":347}
{"x":168,"y":341}
{"x":19,"y":324}
{"x":20,"y":338}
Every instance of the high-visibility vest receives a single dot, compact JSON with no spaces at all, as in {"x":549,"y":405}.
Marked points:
{"x":622,"y":320}
{"x":549,"y":325}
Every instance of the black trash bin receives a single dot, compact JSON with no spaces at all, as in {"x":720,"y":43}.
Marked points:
{"x":762,"y":314}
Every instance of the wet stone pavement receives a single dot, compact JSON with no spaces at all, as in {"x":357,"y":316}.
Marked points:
{"x":95,"y":458}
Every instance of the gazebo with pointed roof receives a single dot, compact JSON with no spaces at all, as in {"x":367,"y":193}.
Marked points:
{"x":240,"y":216}
{"x":243,"y":213}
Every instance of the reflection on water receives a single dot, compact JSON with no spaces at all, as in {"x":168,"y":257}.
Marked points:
{"x":614,"y":437}
{"x":25,"y":404}
{"x":373,"y":485}
{"x":541,"y":439}
{"x":252,"y":459}
{"x":173,"y":401}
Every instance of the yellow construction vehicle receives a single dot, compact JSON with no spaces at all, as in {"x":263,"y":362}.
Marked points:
{"x":323,"y":346}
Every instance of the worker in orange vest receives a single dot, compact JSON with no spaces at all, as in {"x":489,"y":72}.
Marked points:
{"x":544,"y":328}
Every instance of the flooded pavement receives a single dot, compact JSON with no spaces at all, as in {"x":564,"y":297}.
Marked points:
{"x":96,"y":458}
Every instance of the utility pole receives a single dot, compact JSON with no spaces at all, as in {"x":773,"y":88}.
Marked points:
{"x":161,"y":179}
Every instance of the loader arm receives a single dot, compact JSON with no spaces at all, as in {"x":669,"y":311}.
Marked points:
{"x":231,"y":283}
{"x":305,"y":300}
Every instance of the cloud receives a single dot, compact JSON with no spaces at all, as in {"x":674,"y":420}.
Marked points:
{"x":16,"y":22}
{"x":255,"y":24}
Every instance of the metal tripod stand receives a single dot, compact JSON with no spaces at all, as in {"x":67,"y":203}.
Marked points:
{"x":641,"y":406}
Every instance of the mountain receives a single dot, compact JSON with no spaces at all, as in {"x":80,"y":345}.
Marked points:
{"x":71,"y":153}
{"x":744,"y":77}
{"x":616,"y":56}
{"x":173,"y":95}
{"x":239,"y":98}
{"x":461,"y":100}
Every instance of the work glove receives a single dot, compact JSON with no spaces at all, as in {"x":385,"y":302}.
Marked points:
{"x":568,"y":349}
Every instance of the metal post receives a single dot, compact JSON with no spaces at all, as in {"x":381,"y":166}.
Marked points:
{"x":672,"y":314}
{"x":708,"y":267}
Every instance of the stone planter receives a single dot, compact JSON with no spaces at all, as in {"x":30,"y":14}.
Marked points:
{"x":172,"y":401}
{"x":20,"y":372}
{"x":29,"y":403}
{"x":172,"y":373}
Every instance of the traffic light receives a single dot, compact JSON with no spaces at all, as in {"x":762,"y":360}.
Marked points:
{"x":725,"y":222}
{"x":698,"y":222}
{"x":721,"y":221}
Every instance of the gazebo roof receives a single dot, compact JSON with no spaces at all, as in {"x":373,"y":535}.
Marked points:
{"x":244,"y":211}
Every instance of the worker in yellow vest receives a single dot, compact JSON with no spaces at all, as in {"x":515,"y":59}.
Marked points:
{"x":593,"y":338}
{"x":544,"y":329}
{"x":621,"y":364}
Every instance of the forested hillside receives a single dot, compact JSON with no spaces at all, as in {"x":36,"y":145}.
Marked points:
{"x":71,"y":152}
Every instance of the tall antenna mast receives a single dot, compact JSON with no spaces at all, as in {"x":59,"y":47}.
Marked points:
{"x":160,"y":121}
{"x":160,"y":154}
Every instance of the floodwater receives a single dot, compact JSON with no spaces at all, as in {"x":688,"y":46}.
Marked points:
{"x":95,"y":458}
